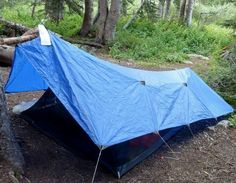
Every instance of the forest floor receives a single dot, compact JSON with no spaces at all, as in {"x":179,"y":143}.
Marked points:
{"x":208,"y":156}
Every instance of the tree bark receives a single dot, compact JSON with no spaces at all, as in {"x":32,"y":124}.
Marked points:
{"x":100,"y":24}
{"x":167,"y":11}
{"x":9,"y":147}
{"x":182,"y":10}
{"x":88,"y":18}
{"x":112,"y":19}
{"x":189,"y":13}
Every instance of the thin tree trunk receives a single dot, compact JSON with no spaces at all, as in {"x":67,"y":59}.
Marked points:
{"x":9,"y":147}
{"x":160,"y":11}
{"x":33,"y":8}
{"x":54,"y":9}
{"x":189,"y":13}
{"x":88,"y":19}
{"x":167,"y":12}
{"x":73,"y":5}
{"x":182,"y":10}
{"x":134,"y":16}
{"x":112,"y":19}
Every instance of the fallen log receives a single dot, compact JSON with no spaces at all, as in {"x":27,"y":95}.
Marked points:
{"x":17,"y":40}
{"x":7,"y":52}
{"x":29,"y":31}
{"x":13,"y":25}
{"x":9,"y":147}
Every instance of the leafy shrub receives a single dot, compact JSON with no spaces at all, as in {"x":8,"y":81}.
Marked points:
{"x":222,"y":76}
{"x":167,"y":41}
{"x":232,"y":120}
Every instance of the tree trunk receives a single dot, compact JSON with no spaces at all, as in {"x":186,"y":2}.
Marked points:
{"x":54,"y":9}
{"x":6,"y":55}
{"x":112,"y":19}
{"x":189,"y":13}
{"x":88,"y":18}
{"x":167,"y":12}
{"x":9,"y":147}
{"x":182,"y":10}
{"x":100,"y":24}
{"x":160,"y":11}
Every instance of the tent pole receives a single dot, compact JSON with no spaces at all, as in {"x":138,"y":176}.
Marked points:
{"x":165,"y":142}
{"x":190,"y":129}
{"x":95,"y":170}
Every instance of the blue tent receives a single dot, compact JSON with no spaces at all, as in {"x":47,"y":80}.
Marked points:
{"x":111,"y":103}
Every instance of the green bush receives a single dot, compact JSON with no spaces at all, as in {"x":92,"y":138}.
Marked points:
{"x":232,"y":120}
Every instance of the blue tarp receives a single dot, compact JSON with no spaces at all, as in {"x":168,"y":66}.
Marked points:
{"x":110,"y":102}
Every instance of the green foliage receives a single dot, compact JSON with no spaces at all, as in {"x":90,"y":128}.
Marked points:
{"x":222,"y":76}
{"x":214,"y":13}
{"x":67,"y":27}
{"x":232,"y":120}
{"x":167,"y":41}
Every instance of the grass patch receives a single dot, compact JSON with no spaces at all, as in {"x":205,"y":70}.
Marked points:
{"x":167,"y":41}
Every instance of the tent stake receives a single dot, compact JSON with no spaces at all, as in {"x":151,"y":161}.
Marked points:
{"x":95,"y":170}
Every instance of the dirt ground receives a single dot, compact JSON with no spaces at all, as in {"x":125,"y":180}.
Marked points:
{"x":208,"y":156}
